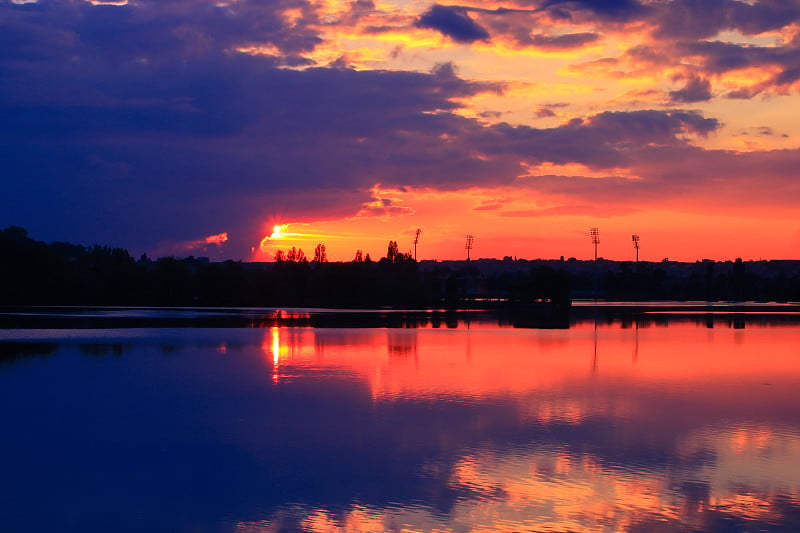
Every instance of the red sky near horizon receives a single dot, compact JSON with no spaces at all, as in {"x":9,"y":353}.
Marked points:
{"x":164,"y":126}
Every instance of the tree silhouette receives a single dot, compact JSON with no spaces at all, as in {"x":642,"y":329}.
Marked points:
{"x":296,"y":255}
{"x":392,"y":252}
{"x":359,"y":258}
{"x":319,"y":254}
{"x":394,"y":255}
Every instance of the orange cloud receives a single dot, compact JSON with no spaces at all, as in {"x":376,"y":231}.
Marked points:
{"x":219,"y":238}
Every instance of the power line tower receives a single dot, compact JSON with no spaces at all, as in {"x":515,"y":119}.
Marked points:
{"x":416,"y":240}
{"x":468,"y":246}
{"x":635,"y":239}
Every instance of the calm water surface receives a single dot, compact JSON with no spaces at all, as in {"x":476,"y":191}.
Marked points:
{"x":652,"y":426}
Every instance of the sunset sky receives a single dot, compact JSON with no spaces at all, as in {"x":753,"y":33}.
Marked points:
{"x":194,"y":127}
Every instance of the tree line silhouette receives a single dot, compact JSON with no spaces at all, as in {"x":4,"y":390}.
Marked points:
{"x":37,"y":273}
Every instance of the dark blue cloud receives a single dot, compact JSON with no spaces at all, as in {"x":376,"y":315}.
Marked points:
{"x":224,"y":150}
{"x":788,"y":76}
{"x":454,"y":22}
{"x":653,"y":126}
{"x":151,"y":33}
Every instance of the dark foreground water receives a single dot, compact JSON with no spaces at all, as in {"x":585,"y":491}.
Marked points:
{"x":649,"y":425}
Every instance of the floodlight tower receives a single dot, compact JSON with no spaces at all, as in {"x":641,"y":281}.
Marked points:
{"x":635,"y":239}
{"x":468,"y":246}
{"x":594,"y":233}
{"x":416,"y":240}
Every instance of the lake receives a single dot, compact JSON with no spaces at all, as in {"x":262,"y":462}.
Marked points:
{"x":246,"y":421}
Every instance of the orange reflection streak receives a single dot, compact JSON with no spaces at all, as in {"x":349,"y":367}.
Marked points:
{"x":543,"y":359}
{"x":286,"y":346}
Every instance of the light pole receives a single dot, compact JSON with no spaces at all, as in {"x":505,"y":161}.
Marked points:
{"x":595,"y":235}
{"x":468,"y":247}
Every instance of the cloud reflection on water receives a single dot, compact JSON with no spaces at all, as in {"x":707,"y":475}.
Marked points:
{"x":690,"y":431}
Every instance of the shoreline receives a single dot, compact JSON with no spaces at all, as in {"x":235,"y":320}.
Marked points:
{"x":580,"y":312}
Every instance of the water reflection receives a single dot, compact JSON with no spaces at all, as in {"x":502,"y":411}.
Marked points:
{"x":102,"y":349}
{"x":14,"y":350}
{"x":692,"y":431}
{"x":634,"y":426}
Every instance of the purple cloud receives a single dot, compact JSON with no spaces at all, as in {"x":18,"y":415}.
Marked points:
{"x":618,"y":10}
{"x":697,"y":89}
{"x":699,"y":19}
{"x":561,"y":42}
